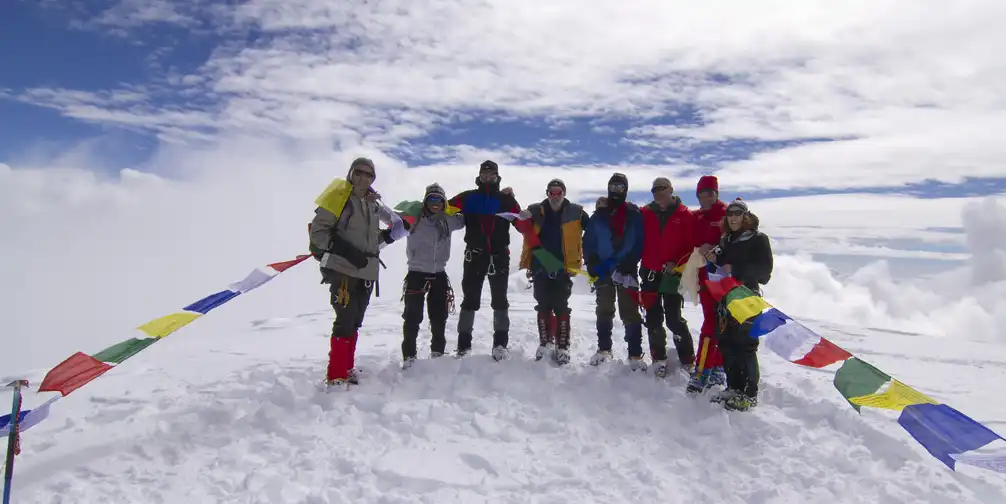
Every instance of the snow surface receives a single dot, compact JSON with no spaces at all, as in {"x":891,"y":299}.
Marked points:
{"x":228,"y":409}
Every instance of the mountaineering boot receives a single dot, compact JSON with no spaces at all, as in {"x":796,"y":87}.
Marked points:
{"x":599,"y":357}
{"x":698,"y":383}
{"x":562,"y":339}
{"x":544,"y":334}
{"x":660,"y":368}
{"x":339,"y":360}
{"x":408,"y":362}
{"x":501,"y":334}
{"x":740,"y":402}
{"x":466,"y":324}
{"x":636,"y":363}
{"x":717,"y":376}
{"x":500,"y":353}
{"x":722,"y":396}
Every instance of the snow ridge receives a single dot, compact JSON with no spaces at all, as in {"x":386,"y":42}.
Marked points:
{"x":258,"y":429}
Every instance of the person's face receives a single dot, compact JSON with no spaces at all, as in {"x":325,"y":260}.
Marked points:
{"x":555,"y":196}
{"x":734,"y":219}
{"x":707,"y":198}
{"x":362,"y":178}
{"x":435,"y":204}
{"x":662,"y":194}
{"x":488,"y":177}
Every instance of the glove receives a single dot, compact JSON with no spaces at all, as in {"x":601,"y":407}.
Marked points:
{"x":605,"y":268}
{"x":385,"y":235}
{"x":347,"y":251}
{"x":355,"y":257}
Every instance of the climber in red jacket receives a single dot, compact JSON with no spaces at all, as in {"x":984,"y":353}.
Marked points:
{"x":707,"y":232}
{"x":668,"y":238}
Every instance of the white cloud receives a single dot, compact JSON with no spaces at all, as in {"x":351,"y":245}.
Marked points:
{"x":88,"y":257}
{"x":248,"y":145}
{"x":913,"y":86}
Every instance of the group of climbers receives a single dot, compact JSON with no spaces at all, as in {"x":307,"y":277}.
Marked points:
{"x":635,"y":255}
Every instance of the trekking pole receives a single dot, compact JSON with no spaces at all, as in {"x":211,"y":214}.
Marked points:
{"x":13,"y":447}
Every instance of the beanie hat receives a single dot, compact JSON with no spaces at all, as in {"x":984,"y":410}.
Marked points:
{"x":659,"y":181}
{"x":737,"y":203}
{"x":489,"y":165}
{"x":556,"y":183}
{"x":707,"y":183}
{"x":361,"y":161}
{"x":619,"y":178}
{"x":434,"y":189}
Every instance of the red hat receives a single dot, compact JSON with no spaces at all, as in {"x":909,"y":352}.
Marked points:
{"x":707,"y":182}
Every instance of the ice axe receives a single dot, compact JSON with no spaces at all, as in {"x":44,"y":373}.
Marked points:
{"x":13,"y":447}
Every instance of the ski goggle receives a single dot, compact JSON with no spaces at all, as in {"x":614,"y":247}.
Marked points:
{"x":434,"y":199}
{"x":735,"y":213}
{"x":658,"y":188}
{"x":617,"y":187}
{"x":555,"y":192}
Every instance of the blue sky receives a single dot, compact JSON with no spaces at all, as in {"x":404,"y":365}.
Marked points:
{"x":832,"y":103}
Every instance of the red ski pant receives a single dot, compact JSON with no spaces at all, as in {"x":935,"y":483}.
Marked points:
{"x":708,"y":352}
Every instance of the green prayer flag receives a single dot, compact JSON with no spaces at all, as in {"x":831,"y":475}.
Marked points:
{"x":123,"y":350}
{"x":857,"y":378}
{"x":669,"y":283}
{"x":549,"y":262}
{"x":410,"y":208}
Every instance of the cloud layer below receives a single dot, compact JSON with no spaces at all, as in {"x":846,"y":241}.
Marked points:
{"x":90,"y":258}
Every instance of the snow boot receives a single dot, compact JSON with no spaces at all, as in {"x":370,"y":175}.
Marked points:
{"x":599,"y":357}
{"x":636,"y":363}
{"x":408,"y":362}
{"x":698,"y":383}
{"x":660,"y":368}
{"x":717,"y":376}
{"x":561,"y":335}
{"x":723,"y":396}
{"x":740,"y":402}
{"x":544,"y":334}
{"x":500,"y":352}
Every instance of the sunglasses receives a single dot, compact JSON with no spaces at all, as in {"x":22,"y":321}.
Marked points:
{"x":735,"y":213}
{"x":657,"y":189}
{"x":617,"y":187}
{"x":555,"y":192}
{"x":365,"y":173}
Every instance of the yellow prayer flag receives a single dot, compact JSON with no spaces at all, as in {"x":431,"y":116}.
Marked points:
{"x":161,"y":327}
{"x":743,"y":309}
{"x":896,"y":397}
{"x":575,"y":271}
{"x":334,"y":197}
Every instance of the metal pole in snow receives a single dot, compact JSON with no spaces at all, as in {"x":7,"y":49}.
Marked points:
{"x":12,"y":437}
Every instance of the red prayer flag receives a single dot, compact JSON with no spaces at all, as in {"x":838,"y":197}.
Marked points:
{"x":823,"y":354}
{"x":720,"y":288}
{"x":285,"y":265}
{"x":73,"y":373}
